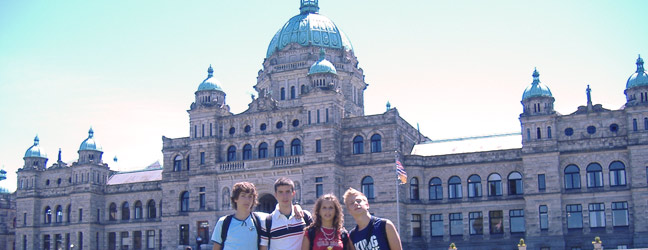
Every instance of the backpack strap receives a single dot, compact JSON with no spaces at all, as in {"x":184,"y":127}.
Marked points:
{"x":268,"y":226}
{"x":345,"y":239}
{"x":225,"y":228}
{"x":311,"y":236}
{"x":307,"y":219}
{"x":257,"y":224}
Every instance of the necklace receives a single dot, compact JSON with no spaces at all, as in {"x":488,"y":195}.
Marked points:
{"x":329,"y":237}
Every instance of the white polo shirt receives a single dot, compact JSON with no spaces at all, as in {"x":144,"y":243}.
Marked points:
{"x":287,"y":233}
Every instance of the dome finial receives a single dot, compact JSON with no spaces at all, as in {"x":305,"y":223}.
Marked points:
{"x":36,"y":141}
{"x":322,"y":55}
{"x":308,"y":6}
{"x":210,"y":71}
{"x":640,"y":62}
{"x":90,"y":133}
{"x":536,"y":76}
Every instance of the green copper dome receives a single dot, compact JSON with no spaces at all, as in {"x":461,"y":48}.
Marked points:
{"x":89,"y":143}
{"x":639,"y":78}
{"x":322,"y":65}
{"x":210,"y":83}
{"x":309,"y":29}
{"x":536,"y":89}
{"x":35,"y":150}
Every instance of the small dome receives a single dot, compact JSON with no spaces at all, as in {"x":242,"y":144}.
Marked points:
{"x":35,"y":151}
{"x":537,"y":88}
{"x":639,"y":78}
{"x":210,"y":83}
{"x":89,"y":143}
{"x":322,"y":65}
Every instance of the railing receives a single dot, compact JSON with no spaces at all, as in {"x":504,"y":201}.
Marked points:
{"x":232,"y":166}
{"x":285,"y":161}
{"x":289,"y":66}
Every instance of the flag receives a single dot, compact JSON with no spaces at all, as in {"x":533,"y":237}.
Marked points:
{"x":400,"y":171}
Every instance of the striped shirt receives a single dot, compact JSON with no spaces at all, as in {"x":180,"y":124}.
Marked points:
{"x":287,"y":233}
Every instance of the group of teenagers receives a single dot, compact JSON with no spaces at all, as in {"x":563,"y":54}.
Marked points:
{"x":289,"y":227}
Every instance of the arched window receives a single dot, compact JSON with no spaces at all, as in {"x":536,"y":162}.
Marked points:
{"x":474,"y":186}
{"x":436,"y":189}
{"x":572,"y":177}
{"x":494,"y":185}
{"x":414,"y":189}
{"x":59,"y":214}
{"x":47,"y":215}
{"x":283,"y":93}
{"x":177,"y":163}
{"x":368,"y":187}
{"x":358,"y":145}
{"x":68,"y":215}
{"x":231,"y":153}
{"x":515,"y":183}
{"x":138,"y":210}
{"x":594,"y":175}
{"x":125,"y":211}
{"x":292,"y":92}
{"x":617,"y":174}
{"x":303,"y":89}
{"x":247,"y":152}
{"x":376,"y":144}
{"x":279,"y":149}
{"x":150,"y":207}
{"x":263,"y":150}
{"x":184,"y":201}
{"x":112,"y":212}
{"x":295,"y":147}
{"x":549,"y":132}
{"x":454,"y":188}
{"x":226,"y":199}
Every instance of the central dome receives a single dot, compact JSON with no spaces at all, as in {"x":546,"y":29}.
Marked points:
{"x":309,"y":28}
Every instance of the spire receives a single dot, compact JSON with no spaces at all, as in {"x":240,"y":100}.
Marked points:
{"x":640,"y":67}
{"x":36,"y":141}
{"x":322,"y":55}
{"x":308,"y":6}
{"x":90,"y":133}
{"x":388,"y":106}
{"x":536,"y":76}
{"x":59,"y":155}
{"x":210,"y":71}
{"x":589,"y":97}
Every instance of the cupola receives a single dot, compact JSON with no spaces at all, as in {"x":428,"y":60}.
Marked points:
{"x":35,"y":158}
{"x":89,"y":143}
{"x":322,"y":73}
{"x":90,"y":151}
{"x":537,"y":98}
{"x":210,"y":83}
{"x":209,"y":92}
{"x":637,"y":85}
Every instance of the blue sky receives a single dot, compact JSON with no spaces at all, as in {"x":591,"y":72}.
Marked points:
{"x":458,"y":68}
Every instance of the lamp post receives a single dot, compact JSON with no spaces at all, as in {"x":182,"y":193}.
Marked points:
{"x":198,"y":241}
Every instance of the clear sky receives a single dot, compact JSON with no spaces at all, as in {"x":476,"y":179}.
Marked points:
{"x":129,"y":69}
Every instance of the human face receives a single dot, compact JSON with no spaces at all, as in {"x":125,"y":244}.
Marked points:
{"x":244,"y":201}
{"x":284,"y":195}
{"x":356,"y":204}
{"x":327,"y":211}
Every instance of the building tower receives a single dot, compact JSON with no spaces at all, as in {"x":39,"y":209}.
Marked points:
{"x":637,"y":86}
{"x":537,"y":118}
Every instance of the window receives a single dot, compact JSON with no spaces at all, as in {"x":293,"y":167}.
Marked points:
{"x":528,"y":134}
{"x":80,"y":241}
{"x":203,"y":231}
{"x":572,"y":177}
{"x":456,"y":224}
{"x":247,"y":129}
{"x":24,"y":219}
{"x":309,"y":117}
{"x":414,"y":189}
{"x":177,"y":163}
{"x":614,"y":127}
{"x":124,"y":240}
{"x":232,"y":130}
{"x":376,"y":144}
{"x":225,"y":199}
{"x":263,"y":150}
{"x":231,"y":153}
{"x":247,"y":152}
{"x":150,"y":207}
{"x":544,"y":217}
{"x":48,"y":215}
{"x":495,"y":220}
{"x":138,"y":210}
{"x":59,"y":214}
{"x":211,"y":130}
{"x":319,"y":187}
{"x":436,"y":189}
{"x":634,"y":124}
{"x":436,"y":225}
{"x":150,"y":239}
{"x":68,"y":213}
{"x":112,"y":241}
{"x":295,"y":147}
{"x":454,"y":188}
{"x":538,"y":134}
{"x":283,"y":94}
{"x":517,"y":221}
{"x":620,"y":214}
{"x":295,"y":123}
{"x":188,"y":162}
{"x":574,"y":216}
{"x":201,"y":197}
{"x":474,"y":186}
{"x":358,"y":145}
{"x":279,"y":125}
{"x":292,"y":92}
{"x":46,"y":242}
{"x":263,"y":127}
{"x":594,"y":175}
{"x":137,"y":240}
{"x":125,"y":211}
{"x":202,"y":157}
{"x":569,"y":131}
{"x":541,"y":182}
{"x":203,"y":131}
{"x":318,"y":146}
{"x":549,"y":132}
{"x":112,"y":212}
{"x":515,"y":183}
{"x":184,"y":234}
{"x":646,"y":123}
{"x":476,"y":223}
{"x":597,"y":215}
{"x":302,"y":89}
{"x":494,"y":185}
{"x":591,"y":130}
{"x":195,"y":131}
{"x":318,"y":116}
{"x":368,"y":187}
{"x":416,"y":225}
{"x":279,"y":149}
{"x":617,"y":174}
{"x":184,"y":201}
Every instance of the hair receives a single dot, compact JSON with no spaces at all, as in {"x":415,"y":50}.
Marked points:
{"x":283,"y":181}
{"x":338,"y":219}
{"x":350,"y":193}
{"x":243,"y":187}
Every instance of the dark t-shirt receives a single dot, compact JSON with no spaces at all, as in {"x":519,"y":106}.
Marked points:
{"x":377,"y":239}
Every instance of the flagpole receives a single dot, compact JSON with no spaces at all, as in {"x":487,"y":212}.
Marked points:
{"x":397,"y":195}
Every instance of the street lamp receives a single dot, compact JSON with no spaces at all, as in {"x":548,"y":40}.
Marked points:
{"x":199,"y":241}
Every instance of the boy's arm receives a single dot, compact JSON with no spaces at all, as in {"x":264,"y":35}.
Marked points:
{"x":392,"y":236}
{"x":306,"y":242}
{"x":217,"y":246}
{"x":299,"y":212}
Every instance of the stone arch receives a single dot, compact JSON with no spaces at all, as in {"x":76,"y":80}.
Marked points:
{"x":267,"y":203}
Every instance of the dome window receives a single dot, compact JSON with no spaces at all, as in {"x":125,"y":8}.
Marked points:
{"x":47,"y":183}
{"x":614,"y":128}
{"x":279,"y":125}
{"x":247,"y":129}
{"x":263,"y":127}
{"x":232,"y":130}
{"x":295,"y":123}
{"x":569,"y":131}
{"x":591,"y":130}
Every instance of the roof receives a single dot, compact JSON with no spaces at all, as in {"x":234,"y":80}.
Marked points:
{"x":469,"y":144}
{"x":136,"y":176}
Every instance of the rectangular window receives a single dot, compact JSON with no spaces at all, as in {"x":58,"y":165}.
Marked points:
{"x":150,"y":239}
{"x":67,"y":241}
{"x":596,"y":214}
{"x":112,"y":241}
{"x":495,"y":222}
{"x":195,"y":131}
{"x":98,"y":215}
{"x":574,"y":216}
{"x":24,"y":219}
{"x":456,"y":224}
{"x":544,"y":217}
{"x":46,"y":242}
{"x":203,"y":231}
{"x":318,"y":116}
{"x":327,"y":116}
{"x":202,"y":157}
{"x":319,"y":187}
{"x":476,"y":223}
{"x":184,"y":234}
{"x":517,"y":221}
{"x":541,"y":182}
{"x":203,"y":131}
{"x":137,"y":240}
{"x":309,"y":117}
{"x":318,"y":146}
{"x":634,"y":124}
{"x":620,"y":214}
{"x":436,"y":225}
{"x":416,"y":225}
{"x":202,"y":197}
{"x":80,"y":214}
{"x":123,"y":240}
{"x":58,"y":241}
